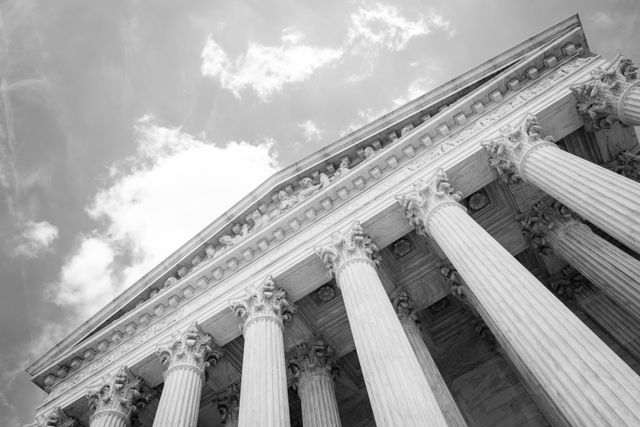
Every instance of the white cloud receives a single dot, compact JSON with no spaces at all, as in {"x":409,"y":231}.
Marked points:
{"x":416,"y":88}
{"x":266,"y":69}
{"x":310,"y":130}
{"x":602,"y":19}
{"x":36,"y":238}
{"x":383,"y":26}
{"x":174,"y":186}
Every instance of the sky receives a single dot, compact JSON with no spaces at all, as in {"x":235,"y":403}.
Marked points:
{"x":128,"y":126}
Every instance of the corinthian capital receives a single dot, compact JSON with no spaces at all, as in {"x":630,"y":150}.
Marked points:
{"x":312,"y":358}
{"x":57,"y":418}
{"x":543,"y":225}
{"x":191,"y":347}
{"x":453,"y":279}
{"x":508,"y":153}
{"x":405,"y":308}
{"x":263,"y":299}
{"x":353,"y":244}
{"x":626,"y":164}
{"x":426,"y":198}
{"x":601,"y":99}
{"x":229,"y":405}
{"x":119,"y":394}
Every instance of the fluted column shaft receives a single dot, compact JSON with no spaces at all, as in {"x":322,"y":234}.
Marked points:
{"x":318,"y":398}
{"x":180,"y":400}
{"x":436,"y":382}
{"x":109,"y":419}
{"x":586,"y":383}
{"x":398,"y":390}
{"x":191,"y":352}
{"x":608,"y":200}
{"x":612,"y":270}
{"x":589,"y":384}
{"x":264,"y":399}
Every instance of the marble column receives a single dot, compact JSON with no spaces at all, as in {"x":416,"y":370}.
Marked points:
{"x":264,"y":399}
{"x":611,"y":94}
{"x":312,"y":363}
{"x":116,"y":402}
{"x":398,"y":390}
{"x":405,"y":309}
{"x":608,"y":200}
{"x":229,"y":406}
{"x":582,"y":379}
{"x":57,"y":418}
{"x":187,"y":359}
{"x":552,"y":228}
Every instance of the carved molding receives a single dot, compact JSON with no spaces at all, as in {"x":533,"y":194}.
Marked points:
{"x":508,"y":153}
{"x":119,"y":394}
{"x":347,"y":246}
{"x":545,"y":224}
{"x":626,"y":164}
{"x":314,"y":357}
{"x":263,"y":299}
{"x":191,"y":347}
{"x":601,"y":99}
{"x":427,"y":197}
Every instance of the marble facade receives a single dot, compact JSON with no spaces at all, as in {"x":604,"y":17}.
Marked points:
{"x":473,"y":259}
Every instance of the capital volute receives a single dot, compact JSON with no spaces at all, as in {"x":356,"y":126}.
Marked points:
{"x":601,"y":99}
{"x":313,"y":358}
{"x":57,"y":418}
{"x":545,"y":224}
{"x":354,"y":244}
{"x":405,"y":308}
{"x":427,"y":197}
{"x":264,"y":299}
{"x":508,"y":153}
{"x":190,"y":348}
{"x":120,"y":393}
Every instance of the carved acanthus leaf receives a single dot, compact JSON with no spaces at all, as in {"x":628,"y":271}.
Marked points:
{"x":354,"y":243}
{"x":569,"y":284}
{"x":626,"y":164}
{"x":313,"y":356}
{"x":120,"y":393}
{"x":229,"y":405}
{"x":405,"y":308}
{"x":599,"y":98}
{"x":427,"y":196}
{"x":191,"y":347}
{"x":264,"y":299}
{"x":453,"y":279}
{"x":507,"y":153}
{"x":541,"y":225}
{"x":57,"y":418}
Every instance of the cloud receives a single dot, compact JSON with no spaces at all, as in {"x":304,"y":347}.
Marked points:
{"x":173,"y":187}
{"x":36,"y":238}
{"x":266,"y":69}
{"x":382,"y":25}
{"x":602,"y":19}
{"x":310,"y":130}
{"x":416,"y":88}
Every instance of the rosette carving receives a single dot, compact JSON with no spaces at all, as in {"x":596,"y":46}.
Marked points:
{"x":352,"y":244}
{"x":508,"y":153}
{"x":542,"y":225}
{"x":312,"y":358}
{"x":426,"y":198}
{"x":120,"y":394}
{"x":192,"y":347}
{"x":264,"y":299}
{"x":600,"y":100}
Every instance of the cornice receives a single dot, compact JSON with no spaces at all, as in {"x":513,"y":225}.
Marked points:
{"x":183,"y":292}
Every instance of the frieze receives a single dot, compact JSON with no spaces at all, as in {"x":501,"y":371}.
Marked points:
{"x":322,"y":222}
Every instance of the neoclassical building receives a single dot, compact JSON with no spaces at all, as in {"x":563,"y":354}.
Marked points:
{"x":471,"y":258}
